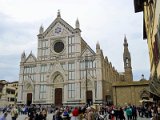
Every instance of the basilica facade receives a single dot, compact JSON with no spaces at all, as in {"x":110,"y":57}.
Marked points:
{"x":66,"y":71}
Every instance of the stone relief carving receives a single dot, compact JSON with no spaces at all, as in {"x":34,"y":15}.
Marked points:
{"x":58,"y":78}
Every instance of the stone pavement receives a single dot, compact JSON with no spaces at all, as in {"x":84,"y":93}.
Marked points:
{"x":49,"y":117}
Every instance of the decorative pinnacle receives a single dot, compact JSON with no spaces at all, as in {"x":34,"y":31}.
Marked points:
{"x":58,"y":13}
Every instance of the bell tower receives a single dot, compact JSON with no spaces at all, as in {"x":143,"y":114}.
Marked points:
{"x":127,"y":62}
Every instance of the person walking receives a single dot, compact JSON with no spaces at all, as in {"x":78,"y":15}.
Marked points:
{"x":90,"y":115}
{"x":134,"y":112}
{"x":14,"y":113}
{"x":75,"y":114}
{"x":129,"y":113}
{"x":4,"y":116}
{"x":121,"y":114}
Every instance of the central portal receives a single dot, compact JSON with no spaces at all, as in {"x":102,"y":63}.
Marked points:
{"x":58,"y":97}
{"x":29,"y":99}
{"x":89,"y":97}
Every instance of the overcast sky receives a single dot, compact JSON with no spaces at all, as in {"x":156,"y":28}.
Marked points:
{"x":105,"y":21}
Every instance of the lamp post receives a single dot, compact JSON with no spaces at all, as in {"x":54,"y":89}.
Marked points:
{"x":86,"y":67}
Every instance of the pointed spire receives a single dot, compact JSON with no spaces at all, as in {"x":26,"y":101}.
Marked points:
{"x":41,"y":29}
{"x":58,"y":14}
{"x":97,"y":45}
{"x":125,"y":41}
{"x":23,"y":56}
{"x":77,"y":23}
{"x":106,"y":58}
{"x":127,"y":62}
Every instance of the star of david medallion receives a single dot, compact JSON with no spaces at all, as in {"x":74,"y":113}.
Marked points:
{"x":58,"y":30}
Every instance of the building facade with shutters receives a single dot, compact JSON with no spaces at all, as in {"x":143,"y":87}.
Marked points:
{"x":8,"y":93}
{"x":151,"y":32}
{"x":66,"y":70}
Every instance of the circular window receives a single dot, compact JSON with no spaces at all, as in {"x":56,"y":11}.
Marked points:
{"x":58,"y":46}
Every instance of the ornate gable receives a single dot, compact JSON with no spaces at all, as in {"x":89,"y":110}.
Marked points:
{"x":58,"y":28}
{"x":85,"y":49}
{"x":88,"y":52}
{"x":31,"y":58}
{"x":28,"y":84}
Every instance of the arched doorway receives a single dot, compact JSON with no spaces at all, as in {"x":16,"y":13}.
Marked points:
{"x":29,"y":98}
{"x":58,"y":96}
{"x":58,"y":81}
{"x":89,"y":97}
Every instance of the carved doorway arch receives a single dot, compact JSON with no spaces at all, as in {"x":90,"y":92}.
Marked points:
{"x":58,"y":81}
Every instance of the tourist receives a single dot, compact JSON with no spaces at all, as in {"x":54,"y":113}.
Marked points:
{"x":129,"y":113}
{"x":31,"y":112}
{"x":4,"y":116}
{"x":90,"y":115}
{"x":75,"y":114}
{"x":14,"y":113}
{"x":134,"y":113}
{"x":121,"y":114}
{"x":158,"y":112}
{"x":57,"y":115}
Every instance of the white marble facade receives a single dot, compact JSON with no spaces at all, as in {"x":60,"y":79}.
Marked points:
{"x":64,"y":60}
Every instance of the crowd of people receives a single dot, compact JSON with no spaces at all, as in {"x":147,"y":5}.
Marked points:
{"x":93,"y":112}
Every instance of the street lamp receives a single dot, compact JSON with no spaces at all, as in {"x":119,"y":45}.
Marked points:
{"x":86,"y":67}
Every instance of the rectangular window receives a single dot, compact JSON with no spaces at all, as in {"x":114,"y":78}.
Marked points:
{"x":44,"y":48}
{"x":29,"y":69}
{"x":71,"y":46}
{"x":82,"y":65}
{"x":12,"y":99}
{"x":82,"y":74}
{"x":69,"y":49}
{"x":71,"y":75}
{"x":71,"y":40}
{"x":42,"y":77}
{"x":29,"y":77}
{"x":71,"y":71}
{"x":71,"y":90}
{"x":44,"y":43}
{"x":42,"y":91}
{"x":71,"y":66}
{"x":44,"y":68}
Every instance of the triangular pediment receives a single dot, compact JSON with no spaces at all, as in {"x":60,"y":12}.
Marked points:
{"x":58,"y":28}
{"x":31,"y":58}
{"x":87,"y":52}
{"x":57,"y":67}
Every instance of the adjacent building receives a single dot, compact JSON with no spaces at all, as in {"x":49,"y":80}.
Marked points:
{"x":8,"y":93}
{"x":125,"y":93}
{"x":151,"y":32}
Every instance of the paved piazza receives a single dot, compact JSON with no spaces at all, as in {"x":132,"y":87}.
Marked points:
{"x":49,"y":117}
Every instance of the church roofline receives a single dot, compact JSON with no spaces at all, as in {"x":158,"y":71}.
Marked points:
{"x":87,"y":47}
{"x":31,"y":54}
{"x":61,"y":21}
{"x":133,"y":83}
